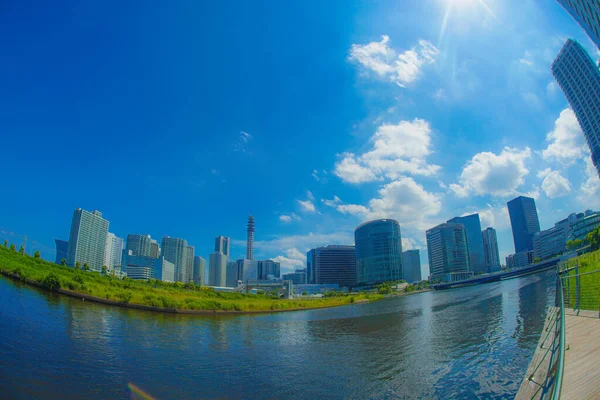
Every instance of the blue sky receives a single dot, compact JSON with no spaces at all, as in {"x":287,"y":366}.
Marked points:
{"x":181,"y":119}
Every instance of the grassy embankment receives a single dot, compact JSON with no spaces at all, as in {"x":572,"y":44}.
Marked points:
{"x":589,"y":284}
{"x":154,"y":293}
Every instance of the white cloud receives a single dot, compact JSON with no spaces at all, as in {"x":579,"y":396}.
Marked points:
{"x":245,"y":136}
{"x":403,"y":68}
{"x":242,"y":142}
{"x":310,"y":195}
{"x":567,"y":142}
{"x":532,"y":99}
{"x":527,"y":59}
{"x":551,"y":88}
{"x":589,"y":195}
{"x":307,"y":205}
{"x":331,"y":203}
{"x":352,"y":209}
{"x":320,"y":176}
{"x":294,"y":258}
{"x":397,"y":149}
{"x":352,"y":172}
{"x":289,"y":218}
{"x":495,"y":174}
{"x":554,"y":184}
{"x":439,"y":94}
{"x":408,"y":244}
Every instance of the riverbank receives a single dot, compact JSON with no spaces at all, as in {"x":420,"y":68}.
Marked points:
{"x":153,"y":295}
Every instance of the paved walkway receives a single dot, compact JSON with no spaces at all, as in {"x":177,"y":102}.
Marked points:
{"x":581,"y":379}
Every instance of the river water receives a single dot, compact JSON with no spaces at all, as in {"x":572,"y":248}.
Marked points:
{"x":473,"y":342}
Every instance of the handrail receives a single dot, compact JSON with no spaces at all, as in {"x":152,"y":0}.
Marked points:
{"x":561,"y":344}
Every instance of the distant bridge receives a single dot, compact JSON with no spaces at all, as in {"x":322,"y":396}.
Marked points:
{"x":502,"y":275}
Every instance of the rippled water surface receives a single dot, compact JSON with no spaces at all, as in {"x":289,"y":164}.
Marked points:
{"x":474,"y":342}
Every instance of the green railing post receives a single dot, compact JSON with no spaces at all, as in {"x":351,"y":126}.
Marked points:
{"x":577,"y":290}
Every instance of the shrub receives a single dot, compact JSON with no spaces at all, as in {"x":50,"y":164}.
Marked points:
{"x":72,"y":285}
{"x":51,"y":282}
{"x":36,"y":254}
{"x":13,"y":247}
{"x":125,"y":297}
{"x":77,"y":278}
{"x":352,"y":299}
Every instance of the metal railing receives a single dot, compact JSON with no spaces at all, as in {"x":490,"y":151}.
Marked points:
{"x":581,"y":289}
{"x":549,"y":386}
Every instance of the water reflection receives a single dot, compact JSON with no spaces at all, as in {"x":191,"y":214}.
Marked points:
{"x":473,"y":342}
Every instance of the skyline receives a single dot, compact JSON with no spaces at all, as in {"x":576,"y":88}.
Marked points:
{"x":318,"y":146}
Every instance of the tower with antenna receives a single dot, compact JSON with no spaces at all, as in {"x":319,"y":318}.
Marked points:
{"x":250,"y":243}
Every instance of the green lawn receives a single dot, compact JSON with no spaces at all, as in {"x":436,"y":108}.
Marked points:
{"x":589,"y":283}
{"x":155,"y":293}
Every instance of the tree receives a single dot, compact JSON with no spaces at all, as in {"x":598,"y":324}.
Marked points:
{"x":593,"y":238}
{"x":36,"y":254}
{"x":77,"y":265}
{"x":13,"y":247}
{"x":304,"y":293}
{"x":22,"y":250}
{"x":104,"y":269}
{"x":577,"y":243}
{"x":86,"y":267}
{"x":5,"y":243}
{"x":63,"y":262}
{"x":537,"y":260}
{"x":51,"y":282}
{"x":570,"y":245}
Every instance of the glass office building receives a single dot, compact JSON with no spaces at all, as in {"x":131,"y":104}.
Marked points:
{"x":411,"y":265}
{"x":587,"y":15}
{"x":87,"y":240}
{"x":447,"y":249}
{"x":175,"y":251}
{"x":524,"y":222}
{"x":476,"y":252}
{"x":62,"y":247}
{"x":199,"y":271}
{"x":378,"y":251}
{"x":579,"y":79}
{"x":333,"y":264}
{"x":490,"y":249}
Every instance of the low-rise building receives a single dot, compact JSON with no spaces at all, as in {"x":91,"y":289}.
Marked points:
{"x":457,"y":276}
{"x":520,"y":259}
{"x":298,"y":277}
{"x":586,"y":223}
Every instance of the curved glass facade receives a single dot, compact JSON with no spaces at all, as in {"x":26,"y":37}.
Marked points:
{"x":378,"y":251}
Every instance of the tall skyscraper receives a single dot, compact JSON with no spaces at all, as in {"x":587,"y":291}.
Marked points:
{"x":113,"y":251}
{"x":447,"y":249}
{"x":268,"y":269}
{"x":199,"y":271}
{"x":87,"y":240}
{"x":579,"y":79}
{"x":140,"y":245}
{"x":175,"y":251}
{"x":217,"y":269}
{"x":474,"y":241}
{"x":250,"y":242}
{"x":524,"y":221}
{"x":232,"y":274}
{"x":490,"y":249}
{"x":154,"y":249}
{"x":333,"y":264}
{"x":587,"y":15}
{"x":378,"y":251}
{"x":411,"y":265}
{"x":222,"y":244}
{"x":62,"y":248}
{"x":189,"y":265}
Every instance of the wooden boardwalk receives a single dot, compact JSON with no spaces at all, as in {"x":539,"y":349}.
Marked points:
{"x":581,"y":378}
{"x":582,"y":359}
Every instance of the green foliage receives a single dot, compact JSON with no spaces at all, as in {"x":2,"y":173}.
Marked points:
{"x":409,"y":288}
{"x":86,"y":267}
{"x":13,"y":247}
{"x":593,"y":238}
{"x":537,"y":260}
{"x":63,"y":261}
{"x":352,"y":300}
{"x":22,"y":250}
{"x":104,"y":269}
{"x":578,"y":243}
{"x":304,"y":293}
{"x":77,"y":265}
{"x":36,"y":254}
{"x":5,"y":243}
{"x":51,"y":282}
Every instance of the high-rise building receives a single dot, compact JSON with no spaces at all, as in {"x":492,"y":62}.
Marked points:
{"x":298,"y":277}
{"x":139,"y":245}
{"x":268,"y":269}
{"x":188,"y":275}
{"x":87,"y":239}
{"x":447,"y":249}
{"x":247,"y":270}
{"x":579,"y":79}
{"x":411,"y":266}
{"x":113,"y":251}
{"x":587,"y":15}
{"x":62,"y":248}
{"x":490,"y":249}
{"x":222,"y":244}
{"x":333,"y":264}
{"x":524,"y":221}
{"x":552,"y":242}
{"x":145,"y":267}
{"x":474,"y":241}
{"x":175,"y":251}
{"x":232,"y":274}
{"x":199,"y":271}
{"x":154,"y":249}
{"x":250,"y":242}
{"x":217,"y":265}
{"x":378,"y":251}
